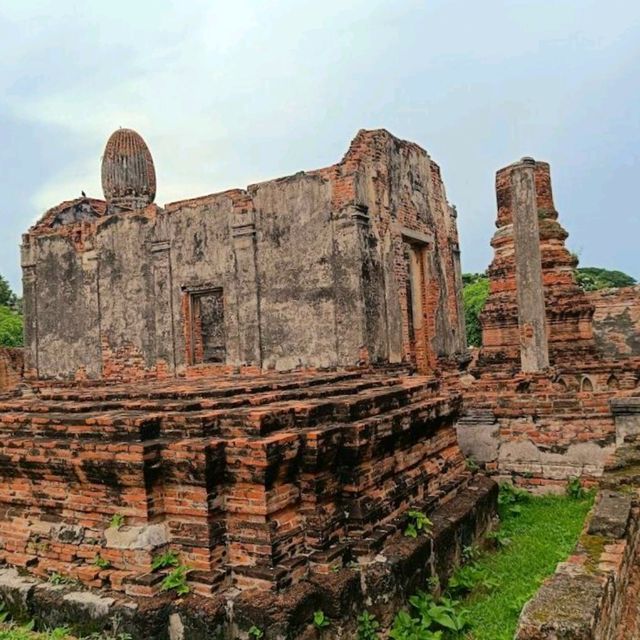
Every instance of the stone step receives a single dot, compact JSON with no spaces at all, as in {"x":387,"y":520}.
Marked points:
{"x":202,"y":388}
{"x":203,"y":399}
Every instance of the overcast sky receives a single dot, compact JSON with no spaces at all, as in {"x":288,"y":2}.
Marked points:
{"x":231,"y":92}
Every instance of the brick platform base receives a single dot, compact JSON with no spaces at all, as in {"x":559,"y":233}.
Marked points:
{"x":379,"y":585}
{"x":256,"y":482}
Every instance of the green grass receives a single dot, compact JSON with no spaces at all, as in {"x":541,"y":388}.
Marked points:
{"x":10,"y":632}
{"x":541,"y":535}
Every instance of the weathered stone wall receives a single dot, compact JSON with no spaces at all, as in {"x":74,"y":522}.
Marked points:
{"x":350,"y":265}
{"x":594,"y":594}
{"x":616,"y":321}
{"x":540,"y":429}
{"x":11,"y":368}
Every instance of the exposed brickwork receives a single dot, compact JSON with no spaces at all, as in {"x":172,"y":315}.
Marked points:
{"x":11,"y":369}
{"x":541,"y":428}
{"x":256,"y":481}
{"x":568,"y":309}
{"x":616,"y":322}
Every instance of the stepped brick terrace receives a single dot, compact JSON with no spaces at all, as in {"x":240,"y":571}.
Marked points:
{"x":261,"y":382}
{"x":266,"y":383}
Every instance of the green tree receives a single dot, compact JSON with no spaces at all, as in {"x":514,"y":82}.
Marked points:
{"x":7,"y":297}
{"x":10,"y":316}
{"x":474,"y":296}
{"x":10,"y":328}
{"x":594,"y":278}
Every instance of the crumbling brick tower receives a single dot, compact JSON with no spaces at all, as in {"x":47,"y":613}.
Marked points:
{"x":540,"y":407}
{"x":536,"y":310}
{"x":232,"y":376}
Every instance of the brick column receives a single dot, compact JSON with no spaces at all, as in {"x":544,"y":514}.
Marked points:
{"x":350,"y":226}
{"x":29,"y":292}
{"x":243,"y":236}
{"x":534,"y":348}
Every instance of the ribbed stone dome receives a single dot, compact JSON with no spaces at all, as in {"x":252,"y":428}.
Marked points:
{"x":128,"y":174}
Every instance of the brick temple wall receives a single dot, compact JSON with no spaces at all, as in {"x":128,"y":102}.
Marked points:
{"x":350,"y":265}
{"x":616,"y":322}
{"x":11,"y":368}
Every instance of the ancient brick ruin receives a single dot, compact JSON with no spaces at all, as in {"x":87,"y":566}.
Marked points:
{"x":11,"y":369}
{"x":262,"y":381}
{"x":267,"y":381}
{"x":552,"y":389}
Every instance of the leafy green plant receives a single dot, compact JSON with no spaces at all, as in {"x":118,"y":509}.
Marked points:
{"x":367,"y":627}
{"x":471,"y":464}
{"x":406,"y":627}
{"x":471,"y":552}
{"x":418,"y":523}
{"x":499,"y":538}
{"x":574,"y":489}
{"x":4,"y":614}
{"x":56,"y":578}
{"x":101,"y":562}
{"x":164,"y":560}
{"x":320,"y":620}
{"x":468,"y":577}
{"x":117,"y":521}
{"x":474,"y":296}
{"x":511,"y":498}
{"x":256,"y":632}
{"x":176,"y":581}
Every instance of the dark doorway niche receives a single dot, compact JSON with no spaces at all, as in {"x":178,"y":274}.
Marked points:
{"x":207,"y":326}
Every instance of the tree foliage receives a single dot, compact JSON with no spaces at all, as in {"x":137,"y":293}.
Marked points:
{"x":476,"y":290}
{"x":10,"y":316}
{"x":474,"y":296}
{"x":10,"y":328}
{"x":594,"y":278}
{"x":7,"y":297}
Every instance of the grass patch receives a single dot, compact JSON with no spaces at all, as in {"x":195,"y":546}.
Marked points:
{"x":10,"y":632}
{"x":541,"y":532}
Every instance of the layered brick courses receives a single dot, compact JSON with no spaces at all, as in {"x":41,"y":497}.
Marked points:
{"x":256,"y":481}
{"x":542,"y":427}
{"x":11,"y":369}
{"x":568,"y":309}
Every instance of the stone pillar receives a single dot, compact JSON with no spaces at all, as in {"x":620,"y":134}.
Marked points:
{"x":350,"y":226}
{"x":534,"y":348}
{"x":30,"y":310}
{"x":165,"y":346}
{"x":243,"y":236}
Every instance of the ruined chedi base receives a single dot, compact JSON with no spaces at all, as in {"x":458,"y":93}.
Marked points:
{"x":538,"y":408}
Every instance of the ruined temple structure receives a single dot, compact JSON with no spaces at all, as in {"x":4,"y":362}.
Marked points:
{"x":555,"y":384}
{"x":356,"y":264}
{"x":262,"y":381}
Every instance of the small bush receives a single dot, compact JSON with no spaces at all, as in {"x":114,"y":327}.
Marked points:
{"x":164,"y":560}
{"x":574,"y":489}
{"x":176,"y":581}
{"x":418,"y":523}
{"x":320,"y":620}
{"x":367,"y":627}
